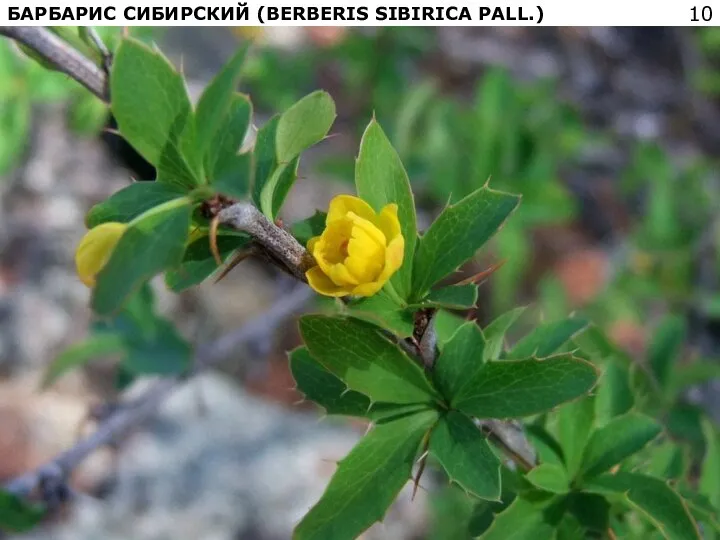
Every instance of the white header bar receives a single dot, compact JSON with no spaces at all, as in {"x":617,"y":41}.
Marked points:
{"x":359,"y":13}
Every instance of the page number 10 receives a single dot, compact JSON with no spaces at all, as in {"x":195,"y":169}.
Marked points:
{"x":704,"y":13}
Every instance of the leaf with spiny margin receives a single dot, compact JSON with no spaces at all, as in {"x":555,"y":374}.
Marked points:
{"x":307,"y":228}
{"x":665,"y":348}
{"x":17,"y":515}
{"x":367,"y":480}
{"x":365,"y":360}
{"x":229,"y":138}
{"x":549,"y":477}
{"x":460,"y":361}
{"x":547,"y":338}
{"x":574,"y":422}
{"x":652,"y":496}
{"x":380,"y":179}
{"x":462,"y":450}
{"x":147,"y":97}
{"x":131,"y":201}
{"x":619,"y":439}
{"x":383,"y":311}
{"x":213,"y":107}
{"x":522,"y":520}
{"x":496,"y":330}
{"x":457,"y":234}
{"x":152,"y":242}
{"x":516,"y":388}
{"x":710,"y":475}
{"x":199,"y":263}
{"x":452,"y":297}
{"x":98,"y":345}
{"x":322,"y":387}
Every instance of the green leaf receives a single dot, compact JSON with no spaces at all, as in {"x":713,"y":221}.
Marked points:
{"x":221,"y":156}
{"x":383,"y":311}
{"x":665,"y":348}
{"x":496,"y":330}
{"x":462,"y":450}
{"x":620,"y":438}
{"x":278,"y":187}
{"x":265,"y":158}
{"x":14,"y":128}
{"x":710,"y":475}
{"x":549,"y":477}
{"x":307,"y":228}
{"x":167,"y":353}
{"x":666,"y":460}
{"x":17,"y":516}
{"x":304,"y":124}
{"x":512,"y":389}
{"x":152,"y":243}
{"x":87,"y":114}
{"x":547,"y":338}
{"x":455,"y":236}
{"x":131,"y":201}
{"x":214,"y":104}
{"x":446,"y":324}
{"x":322,"y":387}
{"x":96,"y":345}
{"x":654,"y":497}
{"x":453,"y":297}
{"x":233,"y":180}
{"x":380,"y":179}
{"x":522,"y":520}
{"x":702,"y":510}
{"x":173,"y":166}
{"x":460,"y":362}
{"x":148,"y":97}
{"x":367,"y":480}
{"x":365,"y":360}
{"x":574,"y":424}
{"x":614,"y":396}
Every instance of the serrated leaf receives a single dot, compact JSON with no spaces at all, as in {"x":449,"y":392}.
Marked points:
{"x":462,"y":450}
{"x":365,"y":360}
{"x":367,"y":480}
{"x":457,"y":234}
{"x":512,"y":389}
{"x":148,"y":96}
{"x":453,"y":297}
{"x":322,"y":387}
{"x":96,"y":345}
{"x":710,"y":476}
{"x":522,"y":520}
{"x":153,"y":242}
{"x":214,"y":104}
{"x":496,"y":330}
{"x":654,"y":497}
{"x":131,"y":201}
{"x":549,"y":477}
{"x":307,"y":228}
{"x":574,"y":422}
{"x":618,"y":439}
{"x":385,"y":312}
{"x":547,"y":338}
{"x":16,"y":515}
{"x":304,"y":124}
{"x":380,"y":179}
{"x":460,"y":362}
{"x":665,"y":347}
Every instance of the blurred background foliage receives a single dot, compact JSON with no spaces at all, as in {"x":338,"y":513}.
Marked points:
{"x":619,"y":217}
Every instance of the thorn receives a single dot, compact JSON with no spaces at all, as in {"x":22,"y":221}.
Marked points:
{"x":112,"y":131}
{"x":213,"y":240}
{"x":422,"y":461}
{"x":487,"y":182}
{"x":236,"y":260}
{"x":483,"y":275}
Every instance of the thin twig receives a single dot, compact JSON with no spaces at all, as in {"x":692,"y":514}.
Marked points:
{"x":61,"y":55}
{"x":118,"y":424}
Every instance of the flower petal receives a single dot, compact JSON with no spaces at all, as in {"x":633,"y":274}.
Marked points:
{"x":95,"y":249}
{"x":368,"y":228}
{"x":368,"y":289}
{"x":342,"y":204}
{"x":341,"y":276}
{"x":365,"y":268}
{"x":394,"y":255}
{"x":322,"y":284}
{"x":388,"y":221}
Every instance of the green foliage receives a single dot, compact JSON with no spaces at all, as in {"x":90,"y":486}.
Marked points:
{"x":17,"y":516}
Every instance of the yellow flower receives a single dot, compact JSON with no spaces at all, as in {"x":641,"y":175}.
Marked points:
{"x":95,"y":248}
{"x":359,"y":249}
